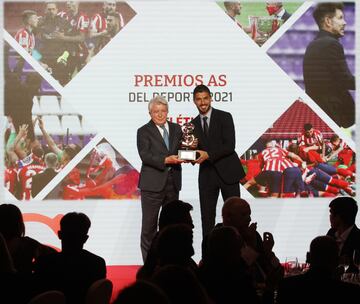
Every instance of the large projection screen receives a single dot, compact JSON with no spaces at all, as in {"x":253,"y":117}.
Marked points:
{"x":253,"y":67}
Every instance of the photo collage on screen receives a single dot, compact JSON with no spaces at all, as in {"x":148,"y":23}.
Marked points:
{"x":300,"y":155}
{"x":43,"y":132}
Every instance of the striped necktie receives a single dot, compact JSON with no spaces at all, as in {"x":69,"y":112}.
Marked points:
{"x":165,"y":136}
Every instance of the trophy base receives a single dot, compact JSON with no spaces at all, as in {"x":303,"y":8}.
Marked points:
{"x":187,"y":154}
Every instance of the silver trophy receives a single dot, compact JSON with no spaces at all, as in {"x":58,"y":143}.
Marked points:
{"x":262,"y":27}
{"x":188,"y":142}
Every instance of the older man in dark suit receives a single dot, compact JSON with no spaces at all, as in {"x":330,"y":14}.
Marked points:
{"x":220,"y":167}
{"x":158,"y":142}
{"x":326,"y":73}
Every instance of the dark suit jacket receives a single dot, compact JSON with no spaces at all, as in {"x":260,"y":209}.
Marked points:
{"x":39,"y":181}
{"x":351,"y":243}
{"x":220,"y":145}
{"x":285,"y":16}
{"x":71,"y":273}
{"x":152,"y":151}
{"x":328,"y":79}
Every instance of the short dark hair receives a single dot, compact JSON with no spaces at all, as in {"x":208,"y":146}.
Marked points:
{"x":323,"y":253}
{"x":175,"y":212}
{"x":308,"y":126}
{"x":327,"y":9}
{"x":75,"y":224}
{"x":70,"y":151}
{"x":26,"y":15}
{"x":200,"y":89}
{"x":11,"y":222}
{"x":334,"y":138}
{"x":344,"y":207}
{"x":38,"y":151}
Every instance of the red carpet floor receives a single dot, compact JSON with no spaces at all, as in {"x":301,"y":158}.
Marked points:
{"x":121,"y":276}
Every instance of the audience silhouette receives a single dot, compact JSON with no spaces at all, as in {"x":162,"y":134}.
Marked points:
{"x":74,"y":269}
{"x":318,"y":284}
{"x":343,"y":229}
{"x":142,"y":292}
{"x":224,"y":273}
{"x":175,"y":212}
{"x":181,"y":285}
{"x":23,"y":249}
{"x":238,"y":265}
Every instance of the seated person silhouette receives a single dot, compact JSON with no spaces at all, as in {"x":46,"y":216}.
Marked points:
{"x":74,"y":269}
{"x":319,"y":283}
{"x":23,"y":249}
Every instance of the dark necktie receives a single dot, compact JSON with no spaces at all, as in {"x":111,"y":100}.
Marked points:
{"x":205,"y":126}
{"x":165,"y":136}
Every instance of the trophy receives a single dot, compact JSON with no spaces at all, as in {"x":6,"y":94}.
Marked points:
{"x":187,"y":142}
{"x":263,"y":27}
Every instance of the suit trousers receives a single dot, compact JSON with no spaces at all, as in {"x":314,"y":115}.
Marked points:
{"x":210,"y":184}
{"x":151,"y":202}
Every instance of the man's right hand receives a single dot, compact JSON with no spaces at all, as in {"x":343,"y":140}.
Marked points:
{"x":173,"y":159}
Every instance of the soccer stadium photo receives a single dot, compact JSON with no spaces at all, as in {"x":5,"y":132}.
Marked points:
{"x":65,"y":36}
{"x":299,"y":156}
{"x":42,"y":134}
{"x":103,"y":174}
{"x":306,"y":51}
{"x":259,"y":19}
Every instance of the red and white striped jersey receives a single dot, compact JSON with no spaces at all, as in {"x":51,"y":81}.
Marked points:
{"x":275,"y":159}
{"x":79,"y":23}
{"x":25,"y":175}
{"x":26,"y":39}
{"x":98,"y":23}
{"x":315,"y":139}
{"x":341,"y":144}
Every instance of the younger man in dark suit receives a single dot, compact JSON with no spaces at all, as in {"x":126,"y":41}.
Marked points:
{"x":220,"y":167}
{"x":158,"y":142}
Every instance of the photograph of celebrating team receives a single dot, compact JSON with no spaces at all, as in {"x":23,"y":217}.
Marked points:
{"x":103,"y":173}
{"x":299,"y":156}
{"x":43,"y":133}
{"x":64,"y":36}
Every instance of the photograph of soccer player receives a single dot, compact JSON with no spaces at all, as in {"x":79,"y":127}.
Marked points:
{"x":318,"y":53}
{"x":39,"y":125}
{"x":65,"y":35}
{"x":299,"y":156}
{"x":102,"y":174}
{"x":259,"y":20}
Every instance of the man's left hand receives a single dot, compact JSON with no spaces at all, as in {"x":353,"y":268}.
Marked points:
{"x":203,"y":156}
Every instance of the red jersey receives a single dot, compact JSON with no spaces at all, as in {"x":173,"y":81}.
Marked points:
{"x":10,"y":179}
{"x":25,"y":175}
{"x":253,"y":168}
{"x":275,"y":159}
{"x":26,"y":39}
{"x":98,"y":22}
{"x":315,"y":139}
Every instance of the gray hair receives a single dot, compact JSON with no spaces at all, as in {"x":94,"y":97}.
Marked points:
{"x":51,"y":160}
{"x":158,"y":100}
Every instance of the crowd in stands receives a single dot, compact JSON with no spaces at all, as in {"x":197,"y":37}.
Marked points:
{"x":238,"y":265}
